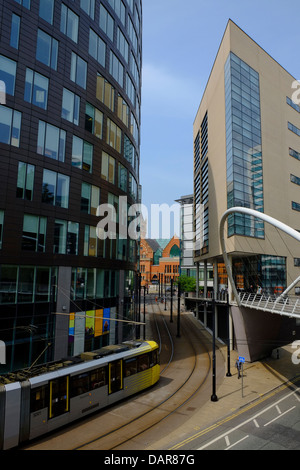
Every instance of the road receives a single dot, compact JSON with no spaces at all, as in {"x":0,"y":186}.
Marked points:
{"x":272,"y":424}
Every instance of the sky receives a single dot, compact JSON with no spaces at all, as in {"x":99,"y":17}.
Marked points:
{"x":180,"y":42}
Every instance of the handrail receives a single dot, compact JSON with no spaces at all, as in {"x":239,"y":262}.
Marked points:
{"x":289,"y":306}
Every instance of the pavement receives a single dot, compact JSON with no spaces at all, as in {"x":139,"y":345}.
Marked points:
{"x":260,"y":379}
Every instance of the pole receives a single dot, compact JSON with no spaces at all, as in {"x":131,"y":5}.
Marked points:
{"x":144,"y":312}
{"x":228,"y":340}
{"x":139,"y":305}
{"x":171,"y":308}
{"x":214,"y":396}
{"x":165,"y":293}
{"x":178,"y":312}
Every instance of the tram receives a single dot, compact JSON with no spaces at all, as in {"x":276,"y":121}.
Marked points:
{"x":36,"y":401}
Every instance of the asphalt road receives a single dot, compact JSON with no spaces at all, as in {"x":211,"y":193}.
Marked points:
{"x":272,"y":423}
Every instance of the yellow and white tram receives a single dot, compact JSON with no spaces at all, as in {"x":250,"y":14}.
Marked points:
{"x":35,"y":402}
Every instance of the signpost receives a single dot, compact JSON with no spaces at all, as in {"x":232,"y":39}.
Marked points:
{"x":240,"y":367}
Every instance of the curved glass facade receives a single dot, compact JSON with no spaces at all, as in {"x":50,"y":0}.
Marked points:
{"x":70,"y":142}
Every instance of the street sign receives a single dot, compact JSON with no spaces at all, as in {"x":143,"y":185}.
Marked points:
{"x":241,"y":359}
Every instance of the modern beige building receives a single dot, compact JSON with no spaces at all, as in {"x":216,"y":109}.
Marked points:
{"x":247,"y":154}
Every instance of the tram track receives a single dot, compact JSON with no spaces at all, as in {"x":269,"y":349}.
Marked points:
{"x":131,"y":424}
{"x":139,"y":429}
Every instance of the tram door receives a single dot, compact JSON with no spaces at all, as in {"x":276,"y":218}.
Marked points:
{"x":59,"y":397}
{"x":115,"y":376}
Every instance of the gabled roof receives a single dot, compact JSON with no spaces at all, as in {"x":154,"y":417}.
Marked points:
{"x":154,"y":245}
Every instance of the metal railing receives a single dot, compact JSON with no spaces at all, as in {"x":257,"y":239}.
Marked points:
{"x":288,"y":305}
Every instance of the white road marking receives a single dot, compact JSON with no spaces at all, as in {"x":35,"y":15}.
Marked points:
{"x":281,"y":414}
{"x":230,"y":447}
{"x":247,"y":421}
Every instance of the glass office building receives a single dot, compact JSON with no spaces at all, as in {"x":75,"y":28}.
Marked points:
{"x":70,"y":75}
{"x":243,"y":146}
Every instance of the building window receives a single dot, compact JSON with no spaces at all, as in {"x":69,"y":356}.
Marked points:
{"x":105,"y":92}
{"x":93,"y":120}
{"x":122,"y":45}
{"x":82,"y":154}
{"x":46,"y":10}
{"x":130,"y":89}
{"x":114,"y":135}
{"x":129,"y":151}
{"x":106,"y":22}
{"x":25,"y":181}
{"x":1,"y":226}
{"x":295,"y":179}
{"x":88,"y":6}
{"x":10,"y":126}
{"x":70,"y":106}
{"x":55,"y":189}
{"x":292,"y":104}
{"x":8,"y":70}
{"x":123,"y":110}
{"x":78,"y":70}
{"x":15,"y":31}
{"x":116,"y":69}
{"x":90,"y":241}
{"x":244,"y":150}
{"x":47,"y":49}
{"x":97,"y":48}
{"x":36,"y":89}
{"x":295,"y":206}
{"x":132,"y":186}
{"x":69,"y":23}
{"x":122,"y":181}
{"x":108,"y":168}
{"x":294,"y":129}
{"x":51,"y":141}
{"x":90,"y":198}
{"x":119,"y":8}
{"x":66,"y":237}
{"x":24,"y":3}
{"x":34,"y":233}
{"x":294,"y":153}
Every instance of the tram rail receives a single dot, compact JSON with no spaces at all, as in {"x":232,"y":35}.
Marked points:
{"x":175,"y":389}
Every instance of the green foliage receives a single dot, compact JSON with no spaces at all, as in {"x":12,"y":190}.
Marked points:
{"x":187,"y":284}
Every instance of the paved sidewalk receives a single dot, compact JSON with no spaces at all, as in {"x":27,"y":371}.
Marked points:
{"x":259,"y":379}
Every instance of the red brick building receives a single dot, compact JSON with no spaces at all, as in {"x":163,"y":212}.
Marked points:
{"x":159,"y":260}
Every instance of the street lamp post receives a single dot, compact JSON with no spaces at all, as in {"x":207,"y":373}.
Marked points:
{"x":171,"y":307}
{"x":214,"y":396}
{"x":178,"y":311}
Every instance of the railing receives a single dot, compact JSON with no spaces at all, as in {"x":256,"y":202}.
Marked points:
{"x":288,"y":305}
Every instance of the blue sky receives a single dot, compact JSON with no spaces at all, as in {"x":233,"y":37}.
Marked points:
{"x":180,"y":43}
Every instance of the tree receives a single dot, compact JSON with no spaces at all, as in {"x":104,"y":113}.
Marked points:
{"x":187,"y":284}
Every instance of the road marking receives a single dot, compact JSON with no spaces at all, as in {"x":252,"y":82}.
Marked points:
{"x":247,"y":421}
{"x":278,"y":409}
{"x":236,"y":443}
{"x":256,"y":423}
{"x":281,"y":414}
{"x":227,"y":441}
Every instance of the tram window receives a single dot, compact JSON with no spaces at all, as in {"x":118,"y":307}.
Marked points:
{"x":143,"y":362}
{"x":97,"y":378}
{"x":130,"y":367}
{"x":153,"y":358}
{"x":79,"y":384}
{"x":38,"y":398}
